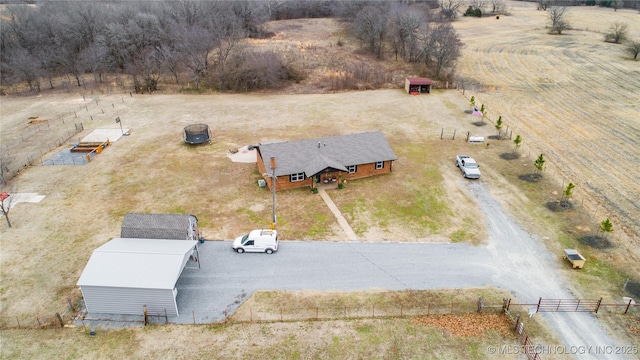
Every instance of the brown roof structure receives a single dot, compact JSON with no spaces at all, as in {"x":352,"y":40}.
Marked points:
{"x":419,"y":81}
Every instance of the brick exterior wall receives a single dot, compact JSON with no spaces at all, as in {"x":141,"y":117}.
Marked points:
{"x":283,"y":182}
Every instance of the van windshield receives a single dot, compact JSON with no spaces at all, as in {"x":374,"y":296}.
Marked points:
{"x":244,"y":239}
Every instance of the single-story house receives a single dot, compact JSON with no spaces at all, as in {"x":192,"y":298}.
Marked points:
{"x":124,"y":275}
{"x":417,"y":85}
{"x":326,"y":160}
{"x":160,"y":226}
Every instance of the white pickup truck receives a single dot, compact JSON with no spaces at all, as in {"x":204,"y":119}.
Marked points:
{"x":469,"y":167}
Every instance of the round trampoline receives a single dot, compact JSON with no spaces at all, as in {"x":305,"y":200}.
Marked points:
{"x":197,"y":134}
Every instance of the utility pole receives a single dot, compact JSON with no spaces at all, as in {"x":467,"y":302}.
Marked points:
{"x":273,"y":192}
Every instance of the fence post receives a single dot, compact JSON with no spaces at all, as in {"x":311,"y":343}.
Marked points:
{"x":60,"y":319}
{"x":441,"y":133}
{"x":538,"y":307}
{"x":625,"y":310}
{"x":480,"y":304}
{"x":454,"y":134}
{"x":193,"y":316}
{"x":18,"y":320}
{"x":598,"y":305}
{"x":166,"y":317}
{"x":515,"y":329}
{"x":145,"y":312}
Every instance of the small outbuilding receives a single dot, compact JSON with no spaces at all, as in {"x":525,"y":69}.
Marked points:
{"x":417,"y":85}
{"x":124,"y":275}
{"x":160,"y":226}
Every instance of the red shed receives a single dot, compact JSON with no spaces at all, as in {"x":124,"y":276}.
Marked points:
{"x":417,"y":85}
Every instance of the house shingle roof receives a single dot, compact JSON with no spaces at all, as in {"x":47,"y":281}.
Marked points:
{"x":155,"y":226}
{"x":314,"y":155}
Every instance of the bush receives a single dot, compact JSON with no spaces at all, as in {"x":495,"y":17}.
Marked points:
{"x":254,"y":70}
{"x":590,"y":3}
{"x":471,"y":11}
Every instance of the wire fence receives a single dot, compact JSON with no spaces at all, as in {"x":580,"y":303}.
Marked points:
{"x":337,"y":312}
{"x":41,"y":136}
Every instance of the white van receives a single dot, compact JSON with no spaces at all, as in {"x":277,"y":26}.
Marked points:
{"x":257,"y":241}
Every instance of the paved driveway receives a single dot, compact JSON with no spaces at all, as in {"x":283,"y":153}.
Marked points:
{"x":224,"y":275}
{"x":512,"y":259}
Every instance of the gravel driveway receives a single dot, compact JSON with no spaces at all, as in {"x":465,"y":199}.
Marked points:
{"x":512,"y":260}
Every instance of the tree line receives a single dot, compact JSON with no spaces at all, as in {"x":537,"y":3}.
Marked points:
{"x":200,"y":42}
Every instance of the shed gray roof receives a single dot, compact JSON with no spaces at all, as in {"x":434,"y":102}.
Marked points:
{"x":155,"y":226}
{"x":137,"y":263}
{"x":314,"y":155}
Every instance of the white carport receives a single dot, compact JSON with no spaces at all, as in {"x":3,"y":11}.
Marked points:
{"x":125,"y":274}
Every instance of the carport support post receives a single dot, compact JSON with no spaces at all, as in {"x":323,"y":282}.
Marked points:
{"x":198,"y":255}
{"x":146,"y":315}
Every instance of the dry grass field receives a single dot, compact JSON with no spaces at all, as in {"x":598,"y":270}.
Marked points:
{"x":572,"y":97}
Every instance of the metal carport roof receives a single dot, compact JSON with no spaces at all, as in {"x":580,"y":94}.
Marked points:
{"x":137,"y":263}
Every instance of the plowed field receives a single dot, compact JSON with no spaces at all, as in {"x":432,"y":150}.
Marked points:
{"x":573,"y":97}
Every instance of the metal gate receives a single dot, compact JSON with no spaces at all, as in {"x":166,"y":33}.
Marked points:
{"x":561,"y":305}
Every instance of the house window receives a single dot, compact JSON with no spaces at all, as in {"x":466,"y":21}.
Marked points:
{"x":379,"y":165}
{"x":352,"y":169}
{"x":296,"y":177}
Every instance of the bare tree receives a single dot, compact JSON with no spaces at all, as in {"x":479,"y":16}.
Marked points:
{"x":633,"y":48}
{"x":93,"y":59}
{"x":498,"y":6}
{"x":478,"y":4}
{"x":617,"y":4}
{"x":617,"y":33}
{"x":171,"y":60}
{"x":404,"y":33}
{"x":196,"y":43}
{"x":21,"y":66}
{"x":557,"y":17}
{"x":449,"y":8}
{"x":370,"y":28}
{"x":5,"y":205}
{"x":543,"y":4}
{"x":227,"y":31}
{"x":441,"y":47}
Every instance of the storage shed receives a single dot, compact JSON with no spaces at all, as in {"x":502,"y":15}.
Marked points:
{"x":124,"y":275}
{"x":417,"y":85}
{"x":160,"y":226}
